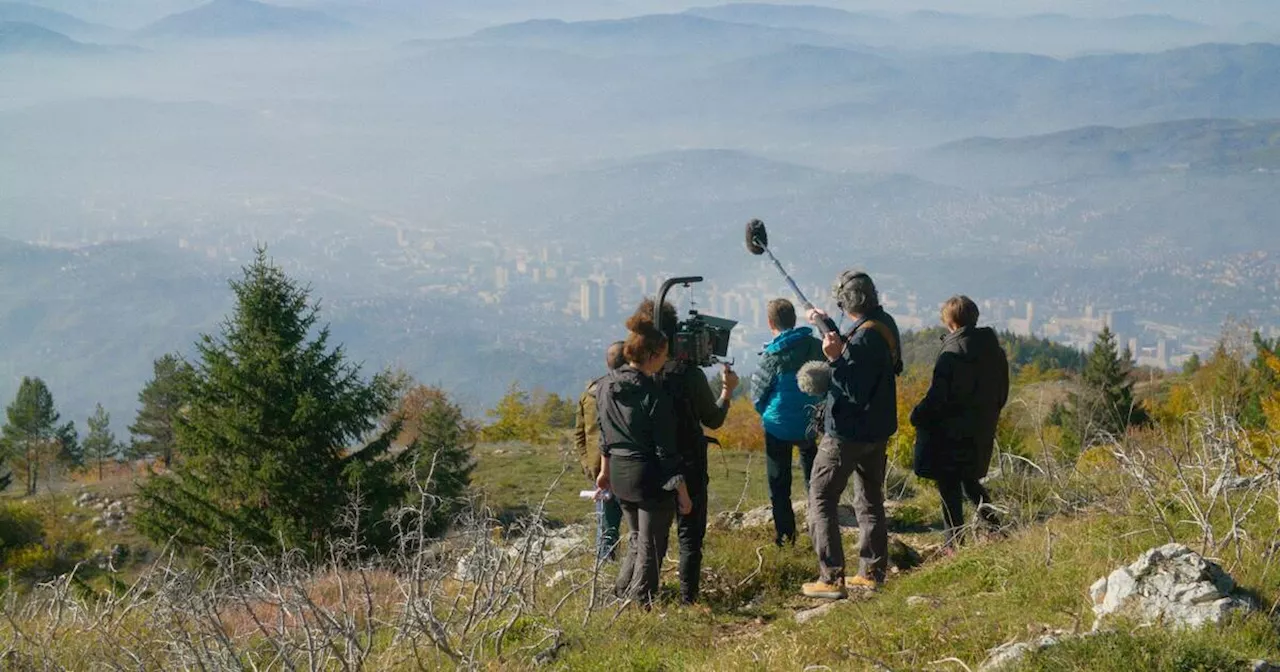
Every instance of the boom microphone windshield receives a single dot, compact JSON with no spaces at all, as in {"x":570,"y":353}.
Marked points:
{"x":757,"y":237}
{"x":757,"y":244}
{"x":814,"y":378}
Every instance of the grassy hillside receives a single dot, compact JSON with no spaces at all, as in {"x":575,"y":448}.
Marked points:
{"x":1065,"y":528}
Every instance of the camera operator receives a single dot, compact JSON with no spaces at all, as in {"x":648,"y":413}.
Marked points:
{"x":861,"y":415}
{"x":640,"y":462}
{"x":586,"y":438}
{"x":695,"y":406}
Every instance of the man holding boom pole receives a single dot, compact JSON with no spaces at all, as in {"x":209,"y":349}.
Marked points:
{"x":861,"y":414}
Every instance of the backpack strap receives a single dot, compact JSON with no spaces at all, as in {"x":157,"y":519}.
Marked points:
{"x":887,"y":334}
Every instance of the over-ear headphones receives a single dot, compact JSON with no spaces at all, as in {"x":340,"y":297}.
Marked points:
{"x":846,"y":278}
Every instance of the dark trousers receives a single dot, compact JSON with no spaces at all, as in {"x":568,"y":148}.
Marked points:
{"x":777,"y":456}
{"x":954,"y":490}
{"x":649,"y":523}
{"x":609,"y":518}
{"x":835,"y":464}
{"x":691,"y":531}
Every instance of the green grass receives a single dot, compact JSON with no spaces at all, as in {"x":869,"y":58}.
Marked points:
{"x":515,"y":478}
{"x":1015,"y":589}
{"x":989,"y":594}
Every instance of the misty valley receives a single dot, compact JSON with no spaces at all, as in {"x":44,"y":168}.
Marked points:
{"x":479,"y":191}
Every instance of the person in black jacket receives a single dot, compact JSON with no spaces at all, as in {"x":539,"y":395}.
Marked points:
{"x":861,"y":414}
{"x":640,"y":462}
{"x":695,"y":406}
{"x":956,"y":421}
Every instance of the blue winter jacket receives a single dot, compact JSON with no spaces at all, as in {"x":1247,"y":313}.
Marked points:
{"x":784,"y":409}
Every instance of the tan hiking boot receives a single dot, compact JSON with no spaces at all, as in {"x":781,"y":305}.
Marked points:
{"x":861,"y":583}
{"x":824,"y":590}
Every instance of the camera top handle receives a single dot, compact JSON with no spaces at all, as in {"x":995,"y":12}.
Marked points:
{"x":662,"y":296}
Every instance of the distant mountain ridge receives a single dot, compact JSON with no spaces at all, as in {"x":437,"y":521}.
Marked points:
{"x":1218,"y":145}
{"x":1055,"y":34}
{"x":653,"y":33}
{"x":59,"y":22}
{"x":230,"y":19}
{"x":28,"y":38}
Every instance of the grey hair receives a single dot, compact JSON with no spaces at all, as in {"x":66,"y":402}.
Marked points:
{"x":854,"y":292}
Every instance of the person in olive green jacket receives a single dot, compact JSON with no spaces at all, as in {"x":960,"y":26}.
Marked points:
{"x":586,"y":438}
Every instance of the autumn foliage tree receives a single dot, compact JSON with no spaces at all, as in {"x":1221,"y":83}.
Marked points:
{"x":741,"y":429}
{"x":440,"y":441}
{"x":515,"y":418}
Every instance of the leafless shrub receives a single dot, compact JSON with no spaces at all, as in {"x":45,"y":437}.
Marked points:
{"x":479,"y":594}
{"x":1204,"y":475}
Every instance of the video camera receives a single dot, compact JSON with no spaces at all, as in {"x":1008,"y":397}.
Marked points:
{"x":702,"y":340}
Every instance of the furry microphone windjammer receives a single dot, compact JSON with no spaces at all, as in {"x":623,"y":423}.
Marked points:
{"x":757,"y":237}
{"x":814,"y":378}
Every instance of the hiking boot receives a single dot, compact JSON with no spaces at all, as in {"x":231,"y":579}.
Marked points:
{"x":824,"y":590}
{"x":861,"y":583}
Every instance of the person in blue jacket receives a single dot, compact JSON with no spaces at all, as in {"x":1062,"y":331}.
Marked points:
{"x":785,"y":411}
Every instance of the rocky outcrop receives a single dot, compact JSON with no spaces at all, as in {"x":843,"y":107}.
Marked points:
{"x":1171,"y":585}
{"x":807,"y":615}
{"x":109,"y":514}
{"x":1006,"y":656}
{"x":549,"y":550}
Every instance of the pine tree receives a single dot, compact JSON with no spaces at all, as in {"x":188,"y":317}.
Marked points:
{"x":160,"y":401}
{"x":31,"y":437}
{"x":100,"y":445}
{"x":271,"y":430}
{"x":1107,"y":406}
{"x":440,"y":441}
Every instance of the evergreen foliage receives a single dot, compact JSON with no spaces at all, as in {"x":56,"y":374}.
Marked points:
{"x":32,"y":439}
{"x":1106,"y":406}
{"x":440,"y":441}
{"x":1261,"y":380}
{"x":270,"y":434}
{"x":100,"y":444}
{"x":159,"y":403}
{"x":1192,"y":365}
{"x":920,"y":349}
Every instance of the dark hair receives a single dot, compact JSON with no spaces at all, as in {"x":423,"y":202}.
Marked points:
{"x":613,"y":357}
{"x":669,"y":316}
{"x":855,"y":292}
{"x":961,"y":311}
{"x":782,"y":314}
{"x":645,"y":341}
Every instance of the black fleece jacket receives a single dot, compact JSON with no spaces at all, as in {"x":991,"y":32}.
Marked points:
{"x":638,"y":434}
{"x":962,"y":408}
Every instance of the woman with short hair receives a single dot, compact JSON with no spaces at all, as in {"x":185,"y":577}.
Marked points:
{"x":640,"y":463}
{"x":956,"y":421}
